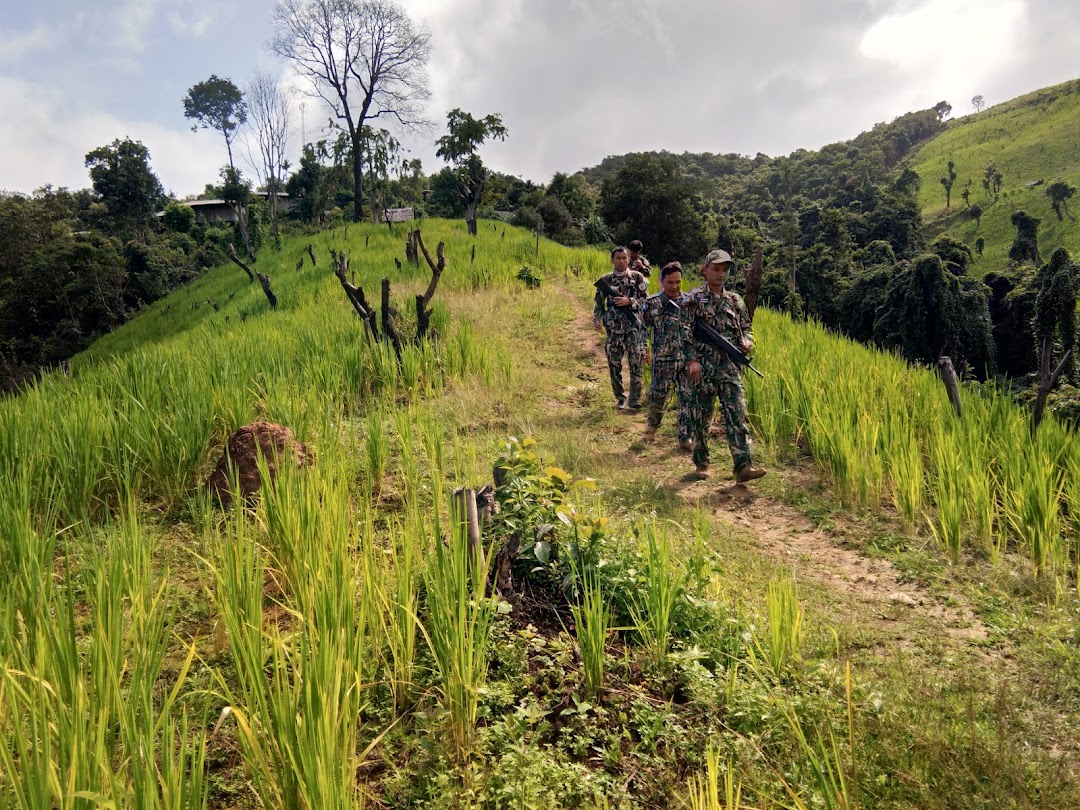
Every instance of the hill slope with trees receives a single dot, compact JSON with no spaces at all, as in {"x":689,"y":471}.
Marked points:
{"x":1008,"y":158}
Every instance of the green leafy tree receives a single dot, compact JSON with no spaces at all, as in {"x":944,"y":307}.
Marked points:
{"x":381,"y":152}
{"x":216,"y":104}
{"x":465,"y":134}
{"x":943,"y":110}
{"x":947,"y":181}
{"x":364,"y":58}
{"x":650,"y":198}
{"x":956,"y":255}
{"x":927,"y":312}
{"x":976,"y":212}
{"x":980,"y":244}
{"x":1055,"y":321}
{"x":574,"y":193}
{"x":122,"y":178}
{"x":1025,"y":247}
{"x":1060,"y":192}
{"x":178,"y":218}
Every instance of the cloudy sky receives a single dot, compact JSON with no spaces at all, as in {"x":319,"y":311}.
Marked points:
{"x":574,"y":80}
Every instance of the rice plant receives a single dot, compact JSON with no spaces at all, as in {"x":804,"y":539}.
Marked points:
{"x":703,"y":791}
{"x":459,"y":619}
{"x":783,"y":641}
{"x":654,"y":602}
{"x":592,"y":623}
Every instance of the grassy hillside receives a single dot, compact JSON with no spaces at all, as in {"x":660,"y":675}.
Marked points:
{"x":887,"y":620}
{"x":1034,"y":137}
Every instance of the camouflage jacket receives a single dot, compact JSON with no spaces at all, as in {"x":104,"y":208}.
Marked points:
{"x":635,"y":287}
{"x":671,"y":330}
{"x":728,"y":314}
{"x":646,"y":268}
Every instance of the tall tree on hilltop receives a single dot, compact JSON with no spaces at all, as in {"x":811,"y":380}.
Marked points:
{"x":459,"y":145}
{"x":216,"y":104}
{"x":122,"y":177}
{"x":1059,"y":193}
{"x":943,"y":110}
{"x":364,"y":58}
{"x":270,"y":121}
{"x":1055,"y":319}
{"x":947,"y":181}
{"x":978,"y":102}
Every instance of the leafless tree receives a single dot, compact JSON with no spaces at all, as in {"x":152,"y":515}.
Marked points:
{"x":978,"y":102}
{"x":364,"y":58}
{"x":269,"y":122}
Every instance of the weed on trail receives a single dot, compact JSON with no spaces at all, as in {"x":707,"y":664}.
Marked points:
{"x":342,"y":639}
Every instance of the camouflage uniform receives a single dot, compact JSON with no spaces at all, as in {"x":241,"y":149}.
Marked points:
{"x":721,"y":377}
{"x":625,"y":335}
{"x":645,"y":269}
{"x":672,"y":352}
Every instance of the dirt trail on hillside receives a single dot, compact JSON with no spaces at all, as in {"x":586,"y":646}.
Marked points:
{"x":870,"y":590}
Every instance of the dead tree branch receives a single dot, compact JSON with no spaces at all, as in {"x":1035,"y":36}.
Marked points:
{"x":388,"y":319}
{"x":356,"y":298}
{"x":231,"y":253}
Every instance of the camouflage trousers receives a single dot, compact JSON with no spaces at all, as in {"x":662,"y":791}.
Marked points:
{"x":631,"y":344}
{"x":732,"y":399}
{"x":665,"y":376}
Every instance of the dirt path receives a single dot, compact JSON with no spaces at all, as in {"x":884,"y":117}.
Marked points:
{"x":871,"y":589}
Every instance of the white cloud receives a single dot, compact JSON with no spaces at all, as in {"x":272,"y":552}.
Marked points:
{"x":47,"y":140}
{"x":131,"y":22}
{"x":191,"y":20}
{"x":947,"y":48}
{"x":18,"y":45}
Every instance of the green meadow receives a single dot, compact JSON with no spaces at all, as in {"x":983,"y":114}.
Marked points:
{"x":1030,"y":138}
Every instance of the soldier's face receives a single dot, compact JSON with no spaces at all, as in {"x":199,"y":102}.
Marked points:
{"x":620,"y":261}
{"x":671,"y":284}
{"x":715,"y":274}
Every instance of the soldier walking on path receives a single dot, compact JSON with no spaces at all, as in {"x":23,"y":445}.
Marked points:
{"x":637,"y":261}
{"x":673,"y":365}
{"x":721,"y":378}
{"x":620,"y":296}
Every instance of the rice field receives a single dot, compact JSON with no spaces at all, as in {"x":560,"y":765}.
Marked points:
{"x":144,"y":630}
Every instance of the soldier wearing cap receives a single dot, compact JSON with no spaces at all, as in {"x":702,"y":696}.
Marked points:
{"x":620,"y":317}
{"x":637,"y":261}
{"x":721,"y":377}
{"x":673,"y":364}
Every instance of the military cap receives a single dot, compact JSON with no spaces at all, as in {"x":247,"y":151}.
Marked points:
{"x":718,"y":257}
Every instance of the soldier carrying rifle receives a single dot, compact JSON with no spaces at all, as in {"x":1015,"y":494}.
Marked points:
{"x":721,"y":368}
{"x":620,"y":296}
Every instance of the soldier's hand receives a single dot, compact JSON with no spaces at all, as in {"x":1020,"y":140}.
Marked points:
{"x":596,"y":324}
{"x":621,"y":301}
{"x":694,"y":370}
{"x":746,"y":347}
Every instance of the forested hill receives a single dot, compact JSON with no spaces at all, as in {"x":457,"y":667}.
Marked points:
{"x":857,"y":233}
{"x":1032,"y":145}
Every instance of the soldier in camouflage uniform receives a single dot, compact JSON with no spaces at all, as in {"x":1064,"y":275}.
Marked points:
{"x":721,"y":377}
{"x":621,"y":318}
{"x":672,"y":351}
{"x":637,"y":261}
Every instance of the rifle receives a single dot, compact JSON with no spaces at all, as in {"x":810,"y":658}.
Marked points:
{"x":707,"y":333}
{"x":603,"y":286}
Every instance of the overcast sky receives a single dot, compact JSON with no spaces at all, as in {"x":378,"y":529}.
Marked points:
{"x":574,"y":80}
